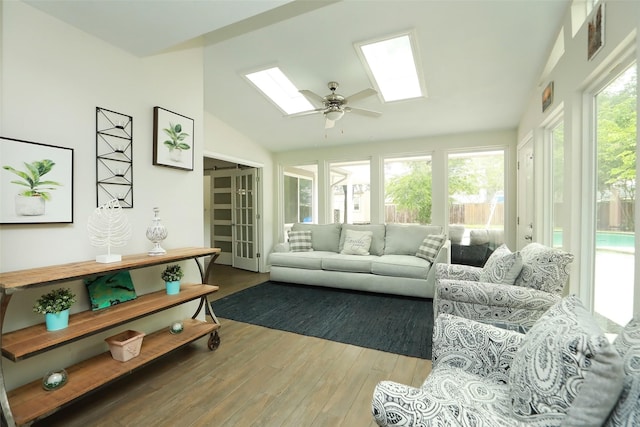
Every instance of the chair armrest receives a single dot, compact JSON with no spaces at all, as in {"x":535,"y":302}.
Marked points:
{"x":457,"y":271}
{"x":474,"y":347}
{"x":494,"y":294}
{"x":397,"y":404}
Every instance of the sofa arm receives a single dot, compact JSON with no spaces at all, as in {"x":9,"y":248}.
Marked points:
{"x":457,"y":271}
{"x":474,"y":347}
{"x":282,"y":247}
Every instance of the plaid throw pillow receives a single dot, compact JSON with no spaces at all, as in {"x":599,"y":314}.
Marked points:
{"x":431,"y":246}
{"x":300,"y":241}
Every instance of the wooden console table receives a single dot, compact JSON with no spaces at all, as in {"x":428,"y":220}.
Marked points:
{"x":30,"y":402}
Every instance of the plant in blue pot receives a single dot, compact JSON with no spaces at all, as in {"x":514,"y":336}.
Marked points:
{"x":171,"y":276}
{"x":55,"y":307}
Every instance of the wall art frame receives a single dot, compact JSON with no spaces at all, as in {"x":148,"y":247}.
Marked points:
{"x":36,"y":183}
{"x":173,"y":144}
{"x":595,"y":31}
{"x":114,"y":157}
{"x":547,"y":97}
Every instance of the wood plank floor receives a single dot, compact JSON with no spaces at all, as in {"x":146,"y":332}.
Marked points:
{"x":257,"y":377}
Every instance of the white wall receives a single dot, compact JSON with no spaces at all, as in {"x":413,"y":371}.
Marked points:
{"x":572,"y":76}
{"x":53,"y":78}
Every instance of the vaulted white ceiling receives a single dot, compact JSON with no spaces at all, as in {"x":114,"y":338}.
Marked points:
{"x":481,"y":59}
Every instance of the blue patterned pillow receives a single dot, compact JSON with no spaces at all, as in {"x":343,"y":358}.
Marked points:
{"x":503,"y":266}
{"x":566,"y":369}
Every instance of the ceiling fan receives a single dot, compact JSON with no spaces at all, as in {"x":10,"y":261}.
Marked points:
{"x":335,"y":105}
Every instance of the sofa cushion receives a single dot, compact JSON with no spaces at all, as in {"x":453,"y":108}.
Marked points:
{"x":503,"y":266}
{"x":349,"y":263}
{"x":400,"y":266}
{"x":627,"y":410}
{"x":431,"y":246}
{"x":356,"y":242}
{"x":307,"y":260}
{"x":405,"y":239}
{"x":377,"y":236}
{"x":300,"y":241}
{"x":566,"y":366}
{"x":324,"y":237}
{"x":544,"y":268}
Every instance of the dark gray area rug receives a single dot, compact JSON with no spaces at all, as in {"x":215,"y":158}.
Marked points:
{"x":395,"y":324}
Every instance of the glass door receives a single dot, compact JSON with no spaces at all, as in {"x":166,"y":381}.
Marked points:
{"x":615,"y":178}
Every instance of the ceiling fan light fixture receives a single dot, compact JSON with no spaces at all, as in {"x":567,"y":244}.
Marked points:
{"x":334,"y":115}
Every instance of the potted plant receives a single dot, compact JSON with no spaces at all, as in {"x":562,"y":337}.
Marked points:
{"x":30,"y":202}
{"x":172,"y":275}
{"x":175,"y":144}
{"x":55,"y":307}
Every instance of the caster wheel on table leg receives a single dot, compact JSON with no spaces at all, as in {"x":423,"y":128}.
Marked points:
{"x":214,"y":341}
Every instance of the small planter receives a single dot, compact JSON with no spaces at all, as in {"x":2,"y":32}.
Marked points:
{"x":173,"y":287}
{"x":57,"y":321}
{"x":126,"y":345}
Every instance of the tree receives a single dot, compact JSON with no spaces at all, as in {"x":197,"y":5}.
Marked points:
{"x":412,"y":192}
{"x":616,"y":136}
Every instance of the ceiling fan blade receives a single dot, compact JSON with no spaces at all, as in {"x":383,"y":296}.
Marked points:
{"x":364,"y":112}
{"x":328,"y":124}
{"x":306,"y":113}
{"x":311,"y":96}
{"x":361,"y":95}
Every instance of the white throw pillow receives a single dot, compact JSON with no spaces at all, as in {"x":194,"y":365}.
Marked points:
{"x":357,"y":242}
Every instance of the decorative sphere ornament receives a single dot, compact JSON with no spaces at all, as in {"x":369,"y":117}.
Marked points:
{"x":156,"y":233}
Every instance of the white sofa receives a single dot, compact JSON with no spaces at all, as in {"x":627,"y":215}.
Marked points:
{"x":390,"y":267}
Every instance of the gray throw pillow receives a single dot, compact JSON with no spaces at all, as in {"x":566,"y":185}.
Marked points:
{"x":405,"y":239}
{"x":431,"y":246}
{"x":300,"y":241}
{"x":627,"y":411}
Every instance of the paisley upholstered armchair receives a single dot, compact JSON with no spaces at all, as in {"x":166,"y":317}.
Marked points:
{"x":513,"y":288}
{"x":563,"y":372}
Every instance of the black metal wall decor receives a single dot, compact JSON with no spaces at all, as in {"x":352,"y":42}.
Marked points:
{"x":114,"y":157}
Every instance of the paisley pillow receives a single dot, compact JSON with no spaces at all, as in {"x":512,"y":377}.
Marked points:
{"x":566,"y":369}
{"x":503,"y":266}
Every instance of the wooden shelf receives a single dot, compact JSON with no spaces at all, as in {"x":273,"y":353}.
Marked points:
{"x":47,"y":275}
{"x":31,"y":401}
{"x":30,"y":341}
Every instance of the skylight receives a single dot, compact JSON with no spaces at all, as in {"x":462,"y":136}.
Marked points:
{"x":279,"y":89}
{"x":392,"y":65}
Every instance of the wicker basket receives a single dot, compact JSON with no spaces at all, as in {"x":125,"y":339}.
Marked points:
{"x":126,"y":345}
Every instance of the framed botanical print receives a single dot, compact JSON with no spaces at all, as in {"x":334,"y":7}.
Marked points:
{"x":172,"y":139}
{"x":36,"y":183}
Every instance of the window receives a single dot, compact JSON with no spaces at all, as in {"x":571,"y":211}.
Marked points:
{"x":476,"y":190}
{"x":299,"y":194}
{"x":557,"y":183}
{"x":615,"y":178}
{"x":350,"y":183}
{"x":278,"y":88}
{"x":392,"y":64}
{"x":407,"y":190}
